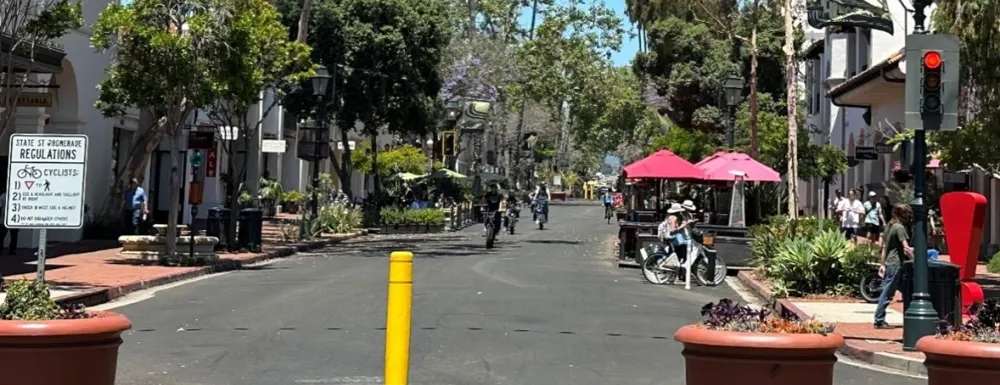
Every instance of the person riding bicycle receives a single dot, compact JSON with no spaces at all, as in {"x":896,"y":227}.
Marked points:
{"x":510,"y":202}
{"x":541,"y":196}
{"x":609,"y":199}
{"x":493,"y":203}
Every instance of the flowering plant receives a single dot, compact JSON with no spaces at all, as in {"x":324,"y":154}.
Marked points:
{"x":730,"y":316}
{"x":983,"y":326}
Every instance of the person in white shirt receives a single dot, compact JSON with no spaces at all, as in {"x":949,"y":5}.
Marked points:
{"x":850,"y":211}
{"x":834,"y":203}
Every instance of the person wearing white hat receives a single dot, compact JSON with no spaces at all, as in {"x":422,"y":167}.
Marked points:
{"x":674,"y":229}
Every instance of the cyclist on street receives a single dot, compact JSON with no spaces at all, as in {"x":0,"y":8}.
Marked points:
{"x":494,"y":204}
{"x":541,"y":196}
{"x":609,"y":198}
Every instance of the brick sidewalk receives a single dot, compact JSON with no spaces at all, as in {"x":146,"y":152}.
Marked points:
{"x":94,"y":272}
{"x":863,"y":342}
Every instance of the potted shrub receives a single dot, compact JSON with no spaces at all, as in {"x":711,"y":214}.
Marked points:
{"x":290,"y":201}
{"x":970,"y":352}
{"x":78,"y":346}
{"x":739,"y":344}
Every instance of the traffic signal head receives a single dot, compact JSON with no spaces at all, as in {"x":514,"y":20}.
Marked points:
{"x":931,"y":83}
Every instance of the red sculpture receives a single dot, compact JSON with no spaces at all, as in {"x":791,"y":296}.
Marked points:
{"x":963,"y":214}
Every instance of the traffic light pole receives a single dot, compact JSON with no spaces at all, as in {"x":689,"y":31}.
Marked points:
{"x":920,"y":318}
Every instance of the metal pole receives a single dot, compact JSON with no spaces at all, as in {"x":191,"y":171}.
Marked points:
{"x":730,"y":133}
{"x":397,"y":318}
{"x":42,"y":235}
{"x":316,"y":153}
{"x":920,"y":319}
{"x":377,"y":210}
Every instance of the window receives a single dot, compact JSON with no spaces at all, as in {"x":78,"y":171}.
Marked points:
{"x":852,"y":52}
{"x":864,"y":55}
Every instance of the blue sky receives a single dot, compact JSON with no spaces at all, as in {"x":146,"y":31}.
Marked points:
{"x":629,"y":47}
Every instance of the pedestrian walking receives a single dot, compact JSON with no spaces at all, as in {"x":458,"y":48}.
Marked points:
{"x":850,"y":211}
{"x":136,"y":208}
{"x":895,"y":248}
{"x":873,"y":218}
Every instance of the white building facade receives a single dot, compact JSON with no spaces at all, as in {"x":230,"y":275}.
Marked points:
{"x":855,"y":97}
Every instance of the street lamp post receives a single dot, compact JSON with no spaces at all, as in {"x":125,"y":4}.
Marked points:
{"x":319,"y":83}
{"x":734,"y":92}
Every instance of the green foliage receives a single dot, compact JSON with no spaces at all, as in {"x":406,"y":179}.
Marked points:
{"x":692,"y":145}
{"x":144,"y":35}
{"x":976,"y":142}
{"x":295,"y":196}
{"x":695,"y":46}
{"x":336,"y":219}
{"x":391,"y":217}
{"x":385,"y":56}
{"x":404,"y":158}
{"x":28,"y":300}
{"x":994,"y":265}
{"x":610,"y":110}
{"x":27,"y":26}
{"x":270,"y":189}
{"x":798,"y":259}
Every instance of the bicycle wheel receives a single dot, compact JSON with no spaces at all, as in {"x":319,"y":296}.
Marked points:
{"x":490,"y":233}
{"x":22,"y":173}
{"x":871,"y":287}
{"x":654,"y":273}
{"x":719,"y":275}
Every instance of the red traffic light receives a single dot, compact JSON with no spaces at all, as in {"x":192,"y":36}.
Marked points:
{"x":932,"y":59}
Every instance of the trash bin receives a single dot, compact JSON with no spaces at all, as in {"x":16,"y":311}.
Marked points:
{"x":944,"y":286}
{"x":251,"y":229}
{"x":218,"y":226}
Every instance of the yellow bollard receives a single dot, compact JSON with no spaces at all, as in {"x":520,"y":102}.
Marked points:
{"x":397,"y":318}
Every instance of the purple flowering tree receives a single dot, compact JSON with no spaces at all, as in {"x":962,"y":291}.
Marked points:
{"x":468,"y":77}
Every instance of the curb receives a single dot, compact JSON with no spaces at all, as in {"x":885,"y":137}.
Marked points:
{"x":107,"y":294}
{"x":851,"y":347}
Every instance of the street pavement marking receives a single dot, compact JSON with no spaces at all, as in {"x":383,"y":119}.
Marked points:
{"x":341,"y":380}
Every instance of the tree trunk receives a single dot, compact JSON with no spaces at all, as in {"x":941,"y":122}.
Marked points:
{"x":753,"y":80}
{"x":343,"y":167}
{"x":792,"y":102}
{"x":145,"y":143}
{"x":175,"y":195}
{"x":303,"y":32}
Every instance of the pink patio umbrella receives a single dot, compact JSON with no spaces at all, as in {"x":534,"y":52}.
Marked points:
{"x":663,"y":165}
{"x":725,"y":166}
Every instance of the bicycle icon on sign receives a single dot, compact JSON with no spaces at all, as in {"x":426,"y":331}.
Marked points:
{"x":29,"y":171}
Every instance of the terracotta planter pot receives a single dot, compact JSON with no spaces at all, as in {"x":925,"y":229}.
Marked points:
{"x":949,"y":361}
{"x":720,"y":357}
{"x":84,"y":351}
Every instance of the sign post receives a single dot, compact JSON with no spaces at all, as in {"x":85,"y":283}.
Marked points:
{"x":46,"y":185}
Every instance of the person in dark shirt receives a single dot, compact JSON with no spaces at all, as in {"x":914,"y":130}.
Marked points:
{"x":493,"y":204}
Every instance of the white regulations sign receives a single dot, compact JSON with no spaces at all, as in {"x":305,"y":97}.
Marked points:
{"x":46,"y":176}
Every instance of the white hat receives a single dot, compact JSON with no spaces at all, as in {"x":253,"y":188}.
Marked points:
{"x":871,"y":194}
{"x":689,"y":205}
{"x":675,"y":208}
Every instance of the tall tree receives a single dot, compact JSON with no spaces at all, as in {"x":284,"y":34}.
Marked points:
{"x":183,"y":43}
{"x":975,"y":143}
{"x":26,"y":28}
{"x":791,"y":70}
{"x":384,"y":55}
{"x":261,"y":66}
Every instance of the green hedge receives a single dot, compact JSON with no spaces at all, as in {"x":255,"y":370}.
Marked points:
{"x":412,"y":217}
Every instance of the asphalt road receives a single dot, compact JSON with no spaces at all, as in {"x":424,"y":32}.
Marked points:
{"x":543,"y":308}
